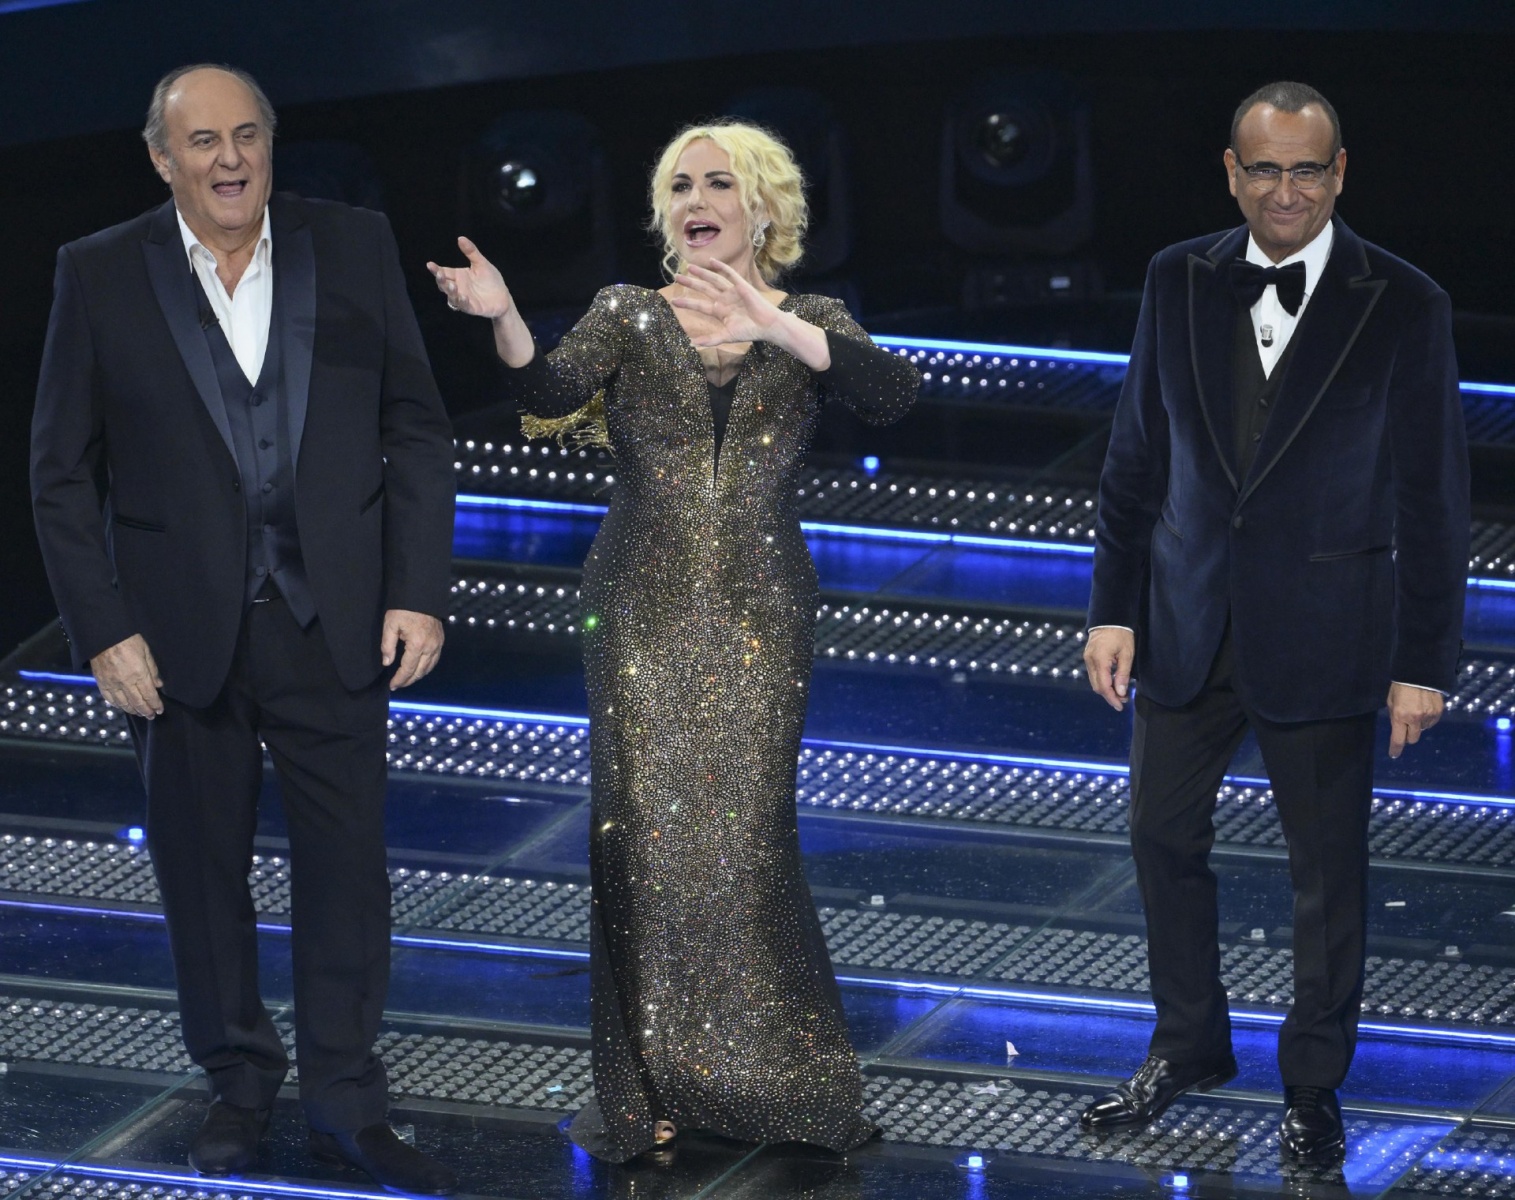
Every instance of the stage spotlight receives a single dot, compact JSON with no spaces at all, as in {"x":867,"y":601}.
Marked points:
{"x":1017,"y":175}
{"x":328,"y":170}
{"x":807,"y":122}
{"x":518,"y":188}
{"x":537,"y":201}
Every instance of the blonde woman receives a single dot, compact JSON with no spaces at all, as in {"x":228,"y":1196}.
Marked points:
{"x":714,"y":1003}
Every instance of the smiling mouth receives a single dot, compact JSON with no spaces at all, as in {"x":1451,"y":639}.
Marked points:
{"x":229,"y":189}
{"x":700,"y":233}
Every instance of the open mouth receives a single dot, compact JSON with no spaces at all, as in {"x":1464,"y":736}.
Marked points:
{"x":700,"y":233}
{"x":229,"y":189}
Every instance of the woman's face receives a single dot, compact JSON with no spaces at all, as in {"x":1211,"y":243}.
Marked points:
{"x":706,"y":214}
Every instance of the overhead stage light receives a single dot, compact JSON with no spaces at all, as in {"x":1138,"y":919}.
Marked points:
{"x":1017,"y":171}
{"x":1017,"y":181}
{"x":537,"y":202}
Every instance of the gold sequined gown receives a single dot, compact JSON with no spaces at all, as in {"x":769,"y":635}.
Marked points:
{"x":714,"y":1004}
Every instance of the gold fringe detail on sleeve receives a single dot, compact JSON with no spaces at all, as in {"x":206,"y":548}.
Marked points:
{"x":579,"y":430}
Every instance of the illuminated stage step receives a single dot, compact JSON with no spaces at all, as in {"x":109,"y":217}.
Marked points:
{"x":971,"y":512}
{"x":484,"y":1071}
{"x":935,"y":944}
{"x":1078,"y":798}
{"x":1090,"y":381}
{"x":903,"y":635}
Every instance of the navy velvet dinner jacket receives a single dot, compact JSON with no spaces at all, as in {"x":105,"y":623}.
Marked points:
{"x":1340,"y":557}
{"x":128,"y":392}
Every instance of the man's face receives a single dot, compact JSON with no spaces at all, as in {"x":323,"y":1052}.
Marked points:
{"x":1284,"y":218}
{"x":219,"y":159}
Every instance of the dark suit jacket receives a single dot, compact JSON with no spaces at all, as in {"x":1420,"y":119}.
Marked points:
{"x":134,"y":481}
{"x":1341,"y":558}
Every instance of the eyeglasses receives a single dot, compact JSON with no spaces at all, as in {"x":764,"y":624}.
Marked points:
{"x":1265,"y":176}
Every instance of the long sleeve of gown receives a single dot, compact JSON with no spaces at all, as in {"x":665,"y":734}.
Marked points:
{"x":567,"y":378}
{"x":878,"y":385}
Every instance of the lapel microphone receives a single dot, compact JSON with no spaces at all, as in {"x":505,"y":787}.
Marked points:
{"x":1267,"y":335}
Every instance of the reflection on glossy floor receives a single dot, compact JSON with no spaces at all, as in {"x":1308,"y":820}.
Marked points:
{"x":962,"y":819}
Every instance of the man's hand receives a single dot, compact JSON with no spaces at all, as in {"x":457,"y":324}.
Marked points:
{"x":1108,"y":655}
{"x":1412,"y":710}
{"x":128,"y":677}
{"x":423,"y":639}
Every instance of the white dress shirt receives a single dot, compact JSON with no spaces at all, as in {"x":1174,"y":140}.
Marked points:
{"x":245,"y":316}
{"x":1271,"y":321}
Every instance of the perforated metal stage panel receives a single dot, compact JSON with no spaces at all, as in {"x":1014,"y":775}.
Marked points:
{"x":979,"y":1111}
{"x":877,"y":939}
{"x":77,"y":1183}
{"x":1474,"y":1161}
{"x":1023,"y":510}
{"x":991,"y":789}
{"x":1012,"y":643}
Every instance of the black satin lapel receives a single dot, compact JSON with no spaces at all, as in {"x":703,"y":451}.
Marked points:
{"x":1212,"y":331}
{"x":295,"y":279}
{"x":1335,"y":316}
{"x":168,"y":268}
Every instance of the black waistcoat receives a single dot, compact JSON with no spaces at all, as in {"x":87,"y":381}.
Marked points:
{"x":1252,"y":391}
{"x":259,"y":418}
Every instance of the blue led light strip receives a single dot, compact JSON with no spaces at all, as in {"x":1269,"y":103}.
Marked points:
{"x":1116,"y":1006}
{"x":471,"y":500}
{"x":220,"y":1185}
{"x":878,"y":533}
{"x":1086,"y":766}
{"x":995,"y":349}
{"x":401,"y":939}
{"x":15,"y":6}
{"x":869,"y":532}
{"x":1100,"y":357}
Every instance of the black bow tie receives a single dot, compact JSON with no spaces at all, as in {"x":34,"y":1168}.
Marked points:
{"x":1248,"y":281}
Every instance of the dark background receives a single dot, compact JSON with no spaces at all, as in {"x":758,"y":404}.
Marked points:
{"x":1425,"y":95}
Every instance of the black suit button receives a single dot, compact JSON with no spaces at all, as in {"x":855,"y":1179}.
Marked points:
{"x":256,"y":399}
{"x":1263,"y":400}
{"x":1257,"y":437}
{"x":260,"y":571}
{"x":264,"y":444}
{"x":1237,"y":522}
{"x":236,"y":485}
{"x":268,"y":529}
{"x":268,"y":487}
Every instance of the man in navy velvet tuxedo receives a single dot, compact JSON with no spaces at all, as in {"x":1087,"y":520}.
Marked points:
{"x":1282,"y":545}
{"x":242,"y":480}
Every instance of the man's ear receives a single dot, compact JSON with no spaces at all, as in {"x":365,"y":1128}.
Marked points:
{"x":163,"y":164}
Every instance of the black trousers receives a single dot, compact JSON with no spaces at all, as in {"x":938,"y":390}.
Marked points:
{"x":1322,"y":777}
{"x":203,"y":768}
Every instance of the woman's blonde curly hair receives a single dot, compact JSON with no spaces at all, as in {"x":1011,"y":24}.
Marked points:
{"x":771,"y":188}
{"x":769,"y":182}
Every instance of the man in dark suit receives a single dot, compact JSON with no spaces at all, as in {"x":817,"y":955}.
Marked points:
{"x":242,"y":480}
{"x":1282,"y":543}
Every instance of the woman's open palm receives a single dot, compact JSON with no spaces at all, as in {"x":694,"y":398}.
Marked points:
{"x":477,"y":289}
{"x":740,"y":312}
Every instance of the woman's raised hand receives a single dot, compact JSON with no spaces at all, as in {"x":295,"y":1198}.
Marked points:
{"x":741,"y":312}
{"x":477,"y":289}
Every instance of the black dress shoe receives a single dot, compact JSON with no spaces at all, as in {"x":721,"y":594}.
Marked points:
{"x":227,"y":1143}
{"x":392,"y":1163}
{"x":1311,"y":1130}
{"x":1157,"y":1083}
